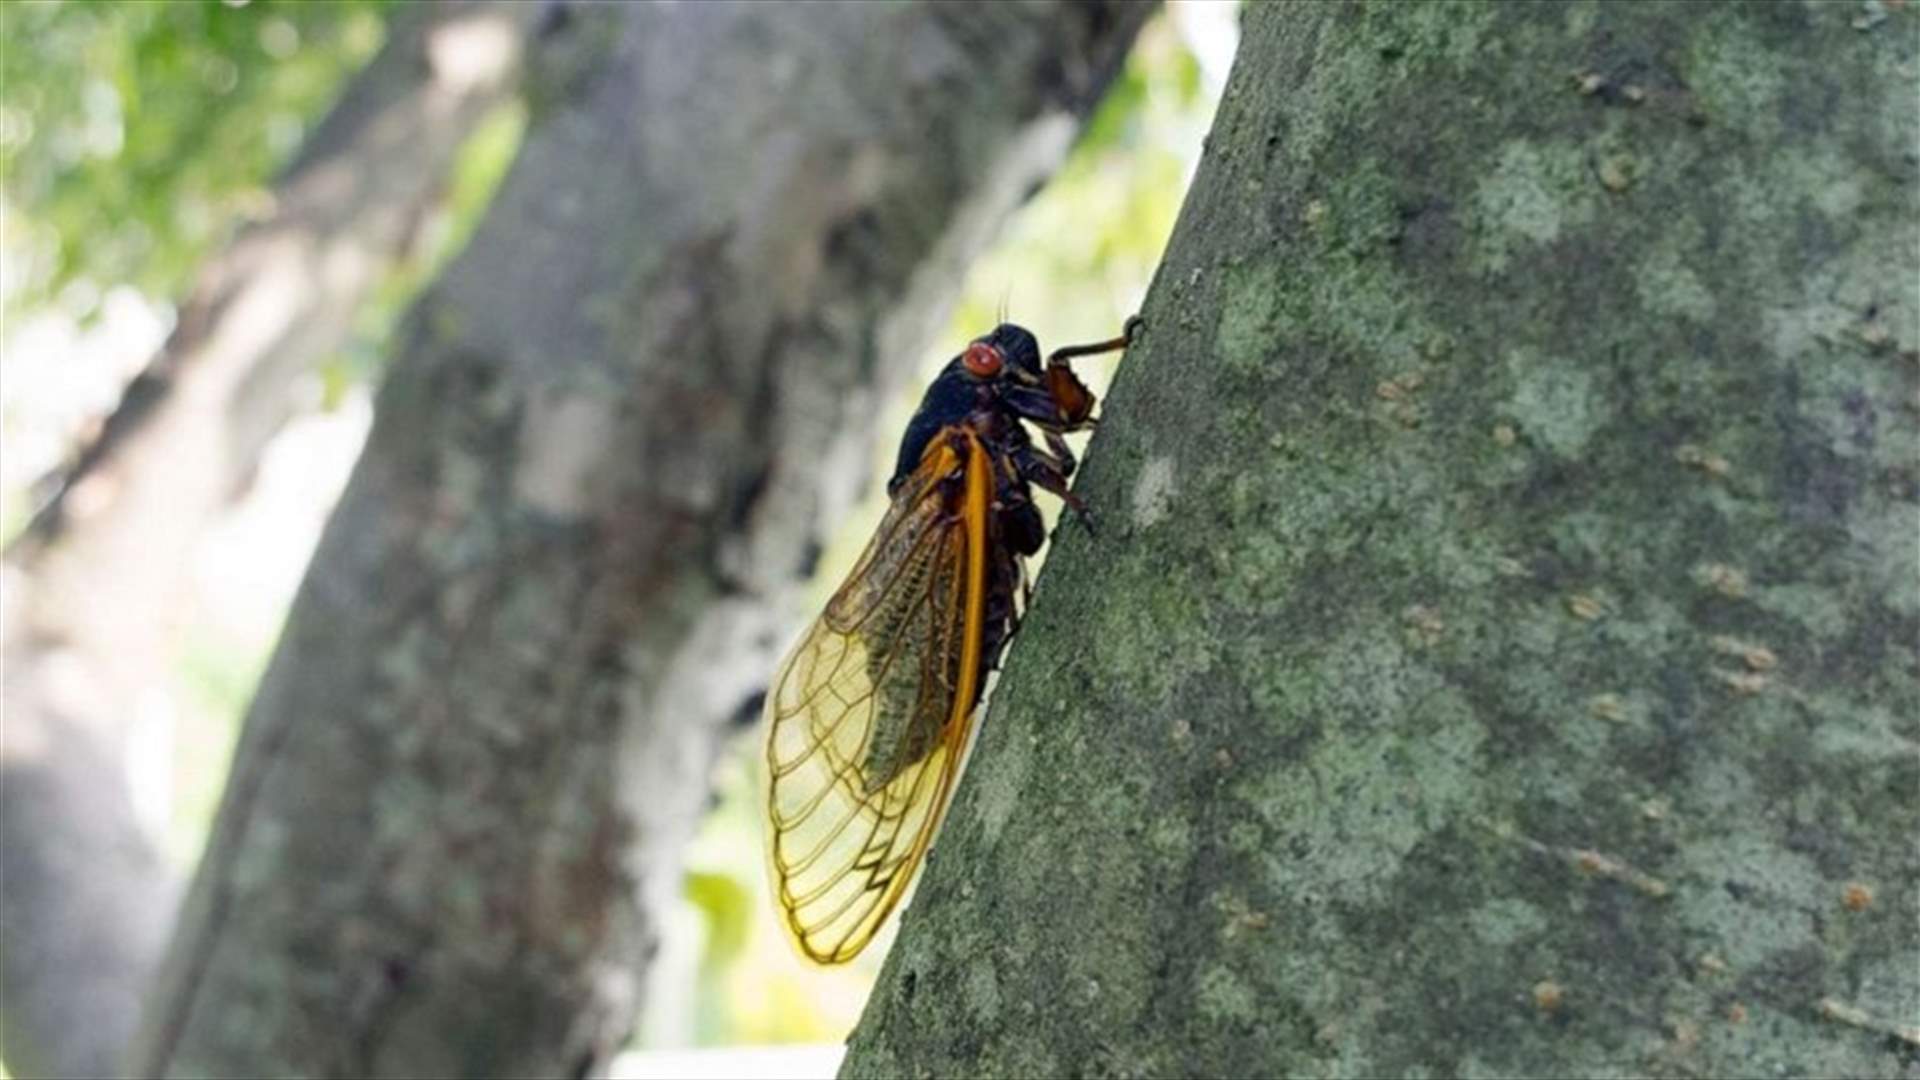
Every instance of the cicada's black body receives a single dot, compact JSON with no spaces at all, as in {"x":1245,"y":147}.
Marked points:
{"x":988,"y":390}
{"x":869,"y":716}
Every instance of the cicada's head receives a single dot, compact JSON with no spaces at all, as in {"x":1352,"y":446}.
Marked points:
{"x":1007,"y":347}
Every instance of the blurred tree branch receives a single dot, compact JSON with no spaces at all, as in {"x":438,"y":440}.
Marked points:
{"x":605,"y":456}
{"x":92,"y":584}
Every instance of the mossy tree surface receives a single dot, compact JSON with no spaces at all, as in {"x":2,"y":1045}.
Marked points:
{"x":1498,"y":655}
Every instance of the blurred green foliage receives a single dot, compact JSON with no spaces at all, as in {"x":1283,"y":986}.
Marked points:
{"x":135,"y":139}
{"x":134,"y":136}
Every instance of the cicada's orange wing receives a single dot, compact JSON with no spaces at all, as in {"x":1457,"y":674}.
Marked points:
{"x":869,"y":716}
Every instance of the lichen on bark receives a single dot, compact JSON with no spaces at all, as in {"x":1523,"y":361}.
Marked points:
{"x":1501,"y":661}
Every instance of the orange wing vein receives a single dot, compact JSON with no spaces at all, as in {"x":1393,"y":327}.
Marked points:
{"x":868,"y":717}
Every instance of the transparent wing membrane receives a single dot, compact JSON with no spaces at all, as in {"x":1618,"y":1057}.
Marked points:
{"x":868,"y":716}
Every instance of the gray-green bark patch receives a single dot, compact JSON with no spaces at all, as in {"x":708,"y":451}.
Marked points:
{"x":1528,"y":686}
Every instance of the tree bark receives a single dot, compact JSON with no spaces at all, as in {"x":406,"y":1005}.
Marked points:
{"x":1499,"y":656}
{"x":93,"y":584}
{"x":611,"y":444}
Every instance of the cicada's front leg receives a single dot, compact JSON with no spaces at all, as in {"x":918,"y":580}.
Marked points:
{"x":1129,"y":333}
{"x":1037,"y":403}
{"x":1071,"y":398}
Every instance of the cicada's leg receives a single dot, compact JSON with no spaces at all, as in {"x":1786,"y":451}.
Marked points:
{"x":1064,"y":453}
{"x":1034,"y":403}
{"x":1029,"y":458}
{"x":1127,"y":335}
{"x":1038,"y":406}
{"x":1040,"y":468}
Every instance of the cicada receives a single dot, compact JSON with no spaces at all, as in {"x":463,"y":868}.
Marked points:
{"x":869,"y":717}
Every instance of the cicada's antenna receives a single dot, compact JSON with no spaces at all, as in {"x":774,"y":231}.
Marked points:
{"x":1000,"y":315}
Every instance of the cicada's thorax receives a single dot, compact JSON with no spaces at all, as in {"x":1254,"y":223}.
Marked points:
{"x":954,"y":399}
{"x":953,"y":395}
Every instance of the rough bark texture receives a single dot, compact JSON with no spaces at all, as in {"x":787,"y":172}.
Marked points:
{"x":612,"y":440}
{"x":1500,"y":656}
{"x":92,"y":585}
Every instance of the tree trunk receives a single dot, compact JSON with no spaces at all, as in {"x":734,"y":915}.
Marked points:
{"x":614,"y":438}
{"x":1499,"y":658}
{"x":93,"y":583}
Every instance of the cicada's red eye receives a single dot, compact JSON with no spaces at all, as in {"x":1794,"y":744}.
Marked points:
{"x":983,"y":360}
